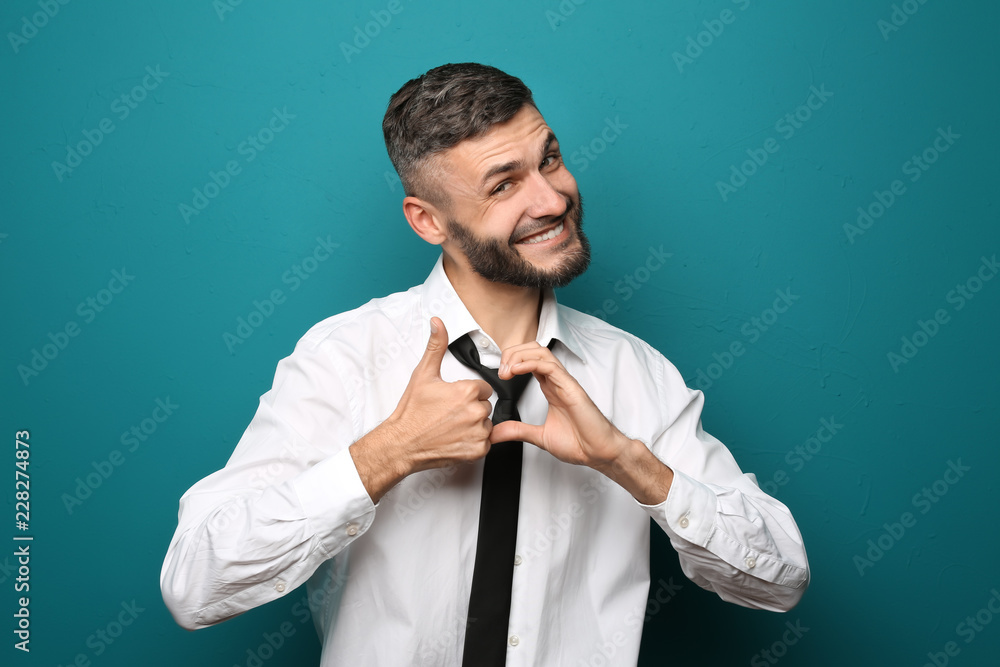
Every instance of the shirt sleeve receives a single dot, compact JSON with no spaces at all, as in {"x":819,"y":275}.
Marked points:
{"x":731,"y":537}
{"x":289,"y":499}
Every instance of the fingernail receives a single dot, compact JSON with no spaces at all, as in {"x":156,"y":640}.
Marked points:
{"x":434,"y":328}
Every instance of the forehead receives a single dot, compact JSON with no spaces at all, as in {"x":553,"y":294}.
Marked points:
{"x":520,"y":138}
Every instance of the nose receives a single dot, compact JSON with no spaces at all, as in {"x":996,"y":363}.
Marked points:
{"x":545,"y":201}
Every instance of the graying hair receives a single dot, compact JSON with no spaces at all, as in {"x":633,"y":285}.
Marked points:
{"x":440,"y":109}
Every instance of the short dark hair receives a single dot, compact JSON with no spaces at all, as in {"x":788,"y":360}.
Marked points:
{"x":441,"y":108}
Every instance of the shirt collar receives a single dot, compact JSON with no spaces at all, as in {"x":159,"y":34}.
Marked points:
{"x":440,"y":299}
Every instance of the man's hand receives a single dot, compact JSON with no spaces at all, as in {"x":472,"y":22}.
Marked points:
{"x":575,"y":430}
{"x":435,"y":424}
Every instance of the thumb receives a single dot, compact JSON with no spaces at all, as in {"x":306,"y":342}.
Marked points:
{"x":437,"y":345}
{"x":516,"y":431}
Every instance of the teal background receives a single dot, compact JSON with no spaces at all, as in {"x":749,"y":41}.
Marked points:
{"x":327,"y":175}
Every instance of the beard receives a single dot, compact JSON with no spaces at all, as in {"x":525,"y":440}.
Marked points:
{"x":501,"y":262}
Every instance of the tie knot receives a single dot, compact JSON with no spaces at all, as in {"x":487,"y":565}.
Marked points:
{"x":465,"y":351}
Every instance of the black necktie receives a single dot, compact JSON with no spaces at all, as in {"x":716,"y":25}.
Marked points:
{"x":493,"y":573}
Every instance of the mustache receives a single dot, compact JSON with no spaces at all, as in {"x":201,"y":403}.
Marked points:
{"x":538,"y":225}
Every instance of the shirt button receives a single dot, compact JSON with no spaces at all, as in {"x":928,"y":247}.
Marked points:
{"x":352,"y":529}
{"x":751,"y":562}
{"x":484,"y":342}
{"x":517,"y":560}
{"x":513,"y":640}
{"x":684,"y":522}
{"x":280,"y":587}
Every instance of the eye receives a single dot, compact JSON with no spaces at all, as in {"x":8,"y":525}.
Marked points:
{"x":551,"y":160}
{"x":501,"y":188}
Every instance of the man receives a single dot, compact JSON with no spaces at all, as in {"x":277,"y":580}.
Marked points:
{"x":373,"y":470}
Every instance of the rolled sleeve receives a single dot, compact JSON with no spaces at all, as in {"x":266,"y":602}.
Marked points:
{"x":730,"y":536}
{"x":334,"y":501}
{"x":688,"y":513}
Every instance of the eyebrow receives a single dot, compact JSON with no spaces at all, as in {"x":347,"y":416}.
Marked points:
{"x":514,"y":165}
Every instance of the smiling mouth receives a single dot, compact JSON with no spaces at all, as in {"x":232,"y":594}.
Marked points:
{"x":543,"y":236}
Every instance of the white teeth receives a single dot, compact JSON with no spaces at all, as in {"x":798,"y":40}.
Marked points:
{"x":551,"y":234}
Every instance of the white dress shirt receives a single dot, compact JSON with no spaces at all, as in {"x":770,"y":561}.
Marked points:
{"x":394,"y":578}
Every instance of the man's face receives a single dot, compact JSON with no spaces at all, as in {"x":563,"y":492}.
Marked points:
{"x":515,"y":214}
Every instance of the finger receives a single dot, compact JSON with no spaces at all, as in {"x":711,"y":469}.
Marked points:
{"x":522,"y":347}
{"x":516,"y":431}
{"x":485,"y":390}
{"x":548,"y":368}
{"x":479,"y":390}
{"x":437,"y":345}
{"x":519,"y":354}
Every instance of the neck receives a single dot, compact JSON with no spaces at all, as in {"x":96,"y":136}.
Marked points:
{"x":507,"y":314}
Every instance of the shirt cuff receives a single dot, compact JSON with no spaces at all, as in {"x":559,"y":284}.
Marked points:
{"x":688,"y":513}
{"x":334,"y":501}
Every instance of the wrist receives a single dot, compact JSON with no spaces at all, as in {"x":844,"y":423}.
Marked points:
{"x":628,"y":452}
{"x":379,"y":460}
{"x":638,"y":471}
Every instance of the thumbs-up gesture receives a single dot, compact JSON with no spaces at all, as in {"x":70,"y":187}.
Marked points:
{"x":435,"y":424}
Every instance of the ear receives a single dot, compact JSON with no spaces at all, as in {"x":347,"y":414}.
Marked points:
{"x":425,"y":219}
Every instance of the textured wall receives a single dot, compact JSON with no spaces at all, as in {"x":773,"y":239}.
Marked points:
{"x":795,"y":202}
